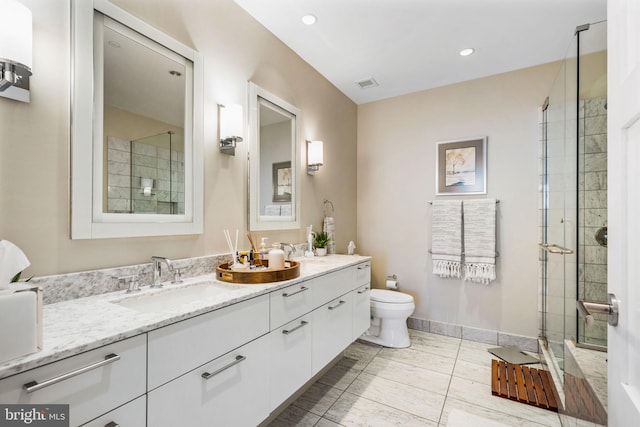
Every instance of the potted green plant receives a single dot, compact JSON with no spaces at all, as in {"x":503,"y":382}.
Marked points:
{"x":320,"y":242}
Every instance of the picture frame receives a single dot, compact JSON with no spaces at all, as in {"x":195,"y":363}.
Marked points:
{"x":461,"y":167}
{"x":282,"y":182}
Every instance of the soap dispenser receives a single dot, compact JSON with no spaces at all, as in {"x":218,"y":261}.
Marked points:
{"x":276,"y":257}
{"x":264,"y":252}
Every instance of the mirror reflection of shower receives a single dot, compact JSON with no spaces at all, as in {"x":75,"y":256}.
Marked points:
{"x":146,"y":175}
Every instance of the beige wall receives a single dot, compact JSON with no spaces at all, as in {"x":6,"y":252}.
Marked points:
{"x":34,"y":143}
{"x":396,"y":180}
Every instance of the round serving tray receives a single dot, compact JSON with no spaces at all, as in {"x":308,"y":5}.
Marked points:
{"x":256,"y":277}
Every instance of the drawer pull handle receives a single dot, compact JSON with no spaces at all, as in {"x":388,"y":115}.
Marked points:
{"x":112,"y":424}
{"x":35,"y":386}
{"x":337,"y":305}
{"x":363,"y":291}
{"x":288,"y":331}
{"x":302,"y":289}
{"x":363,"y":267}
{"x":208,"y":375}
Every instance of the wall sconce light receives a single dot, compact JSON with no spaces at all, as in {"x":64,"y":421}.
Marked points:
{"x":314,"y":156}
{"x":231,"y":128}
{"x":16,"y":47}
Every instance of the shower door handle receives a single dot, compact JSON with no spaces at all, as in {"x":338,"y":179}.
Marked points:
{"x":552,"y":248}
{"x":610,"y":309}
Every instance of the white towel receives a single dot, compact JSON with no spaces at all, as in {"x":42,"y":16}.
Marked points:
{"x":479,"y":217}
{"x":446,"y":238}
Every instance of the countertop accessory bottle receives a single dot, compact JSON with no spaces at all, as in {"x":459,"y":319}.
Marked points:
{"x":276,"y":257}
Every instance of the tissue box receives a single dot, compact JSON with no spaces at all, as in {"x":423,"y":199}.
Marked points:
{"x":20,"y":321}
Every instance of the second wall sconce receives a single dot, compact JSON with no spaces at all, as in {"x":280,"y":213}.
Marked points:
{"x":231,"y":128}
{"x":314,"y":156}
{"x":15,"y":49}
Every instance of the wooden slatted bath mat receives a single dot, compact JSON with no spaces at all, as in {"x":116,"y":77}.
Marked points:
{"x":523,"y":384}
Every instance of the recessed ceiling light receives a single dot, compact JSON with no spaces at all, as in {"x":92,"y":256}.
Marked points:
{"x":309,"y":19}
{"x":466,"y":52}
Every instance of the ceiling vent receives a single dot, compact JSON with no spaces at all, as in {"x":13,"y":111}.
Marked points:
{"x":367,"y":83}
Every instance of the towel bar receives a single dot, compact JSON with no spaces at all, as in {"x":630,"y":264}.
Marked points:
{"x":431,"y":201}
{"x":462,"y":253}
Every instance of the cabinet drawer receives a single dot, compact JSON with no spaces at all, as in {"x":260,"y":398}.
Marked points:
{"x":332,"y":330}
{"x":178,"y":348}
{"x":363,"y":273}
{"x":290,"y":359}
{"x":290,"y":303}
{"x":234,"y":392}
{"x":132,"y":414}
{"x":361,"y":310}
{"x":92,"y":383}
{"x":328,"y":287}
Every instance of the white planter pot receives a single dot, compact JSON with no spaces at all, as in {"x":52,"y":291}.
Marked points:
{"x":321,"y":251}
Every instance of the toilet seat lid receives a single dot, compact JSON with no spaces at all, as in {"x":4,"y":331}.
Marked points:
{"x":393,"y":297}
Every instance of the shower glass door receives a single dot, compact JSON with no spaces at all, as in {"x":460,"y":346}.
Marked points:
{"x":558,"y":211}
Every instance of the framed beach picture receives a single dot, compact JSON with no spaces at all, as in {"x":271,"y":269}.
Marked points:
{"x":461,"y":166}
{"x":282,"y":182}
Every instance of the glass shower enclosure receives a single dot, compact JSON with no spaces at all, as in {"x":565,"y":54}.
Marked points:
{"x":573,"y":197}
{"x":573,"y":226}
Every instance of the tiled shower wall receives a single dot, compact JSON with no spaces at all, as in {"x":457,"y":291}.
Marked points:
{"x":129,"y":162}
{"x":592,"y":268}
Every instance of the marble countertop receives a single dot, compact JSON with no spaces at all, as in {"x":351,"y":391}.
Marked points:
{"x":82,"y":324}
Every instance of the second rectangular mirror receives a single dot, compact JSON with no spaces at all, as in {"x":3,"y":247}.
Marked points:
{"x":273,"y":162}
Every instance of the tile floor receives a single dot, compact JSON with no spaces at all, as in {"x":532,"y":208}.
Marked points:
{"x":437,"y":379}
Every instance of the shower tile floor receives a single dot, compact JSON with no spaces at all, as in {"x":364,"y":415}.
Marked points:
{"x":438,"y":381}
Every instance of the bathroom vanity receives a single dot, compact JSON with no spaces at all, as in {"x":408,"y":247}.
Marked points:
{"x":233,"y":355}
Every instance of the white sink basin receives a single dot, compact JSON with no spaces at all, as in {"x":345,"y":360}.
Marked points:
{"x":173,"y":299}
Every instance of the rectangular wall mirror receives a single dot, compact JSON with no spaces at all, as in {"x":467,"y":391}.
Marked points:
{"x":274,"y":202}
{"x":136,"y":144}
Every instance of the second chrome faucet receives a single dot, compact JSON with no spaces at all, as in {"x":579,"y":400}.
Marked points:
{"x":157,"y":269}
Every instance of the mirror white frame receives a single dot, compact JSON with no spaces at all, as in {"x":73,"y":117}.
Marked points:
{"x":88,"y":220}
{"x":258,"y":222}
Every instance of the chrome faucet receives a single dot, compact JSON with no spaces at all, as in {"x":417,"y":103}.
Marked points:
{"x":157,"y":269}
{"x":288,"y":253}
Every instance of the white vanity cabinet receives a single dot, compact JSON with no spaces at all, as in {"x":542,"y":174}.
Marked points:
{"x":133,"y":413}
{"x":361,"y":310}
{"x":211,"y":369}
{"x":232,"y":366}
{"x":231,"y":390}
{"x":92,"y":383}
{"x":329,"y":286}
{"x":362,"y":300}
{"x":180,"y":347}
{"x":289,"y":358}
{"x":332,"y":330}
{"x":289,"y":303}
{"x":363,"y":273}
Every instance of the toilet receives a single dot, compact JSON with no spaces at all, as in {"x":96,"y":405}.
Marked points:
{"x":389,"y":313}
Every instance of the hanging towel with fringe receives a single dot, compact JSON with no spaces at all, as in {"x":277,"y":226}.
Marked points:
{"x":479,"y":218}
{"x":446,"y":238}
